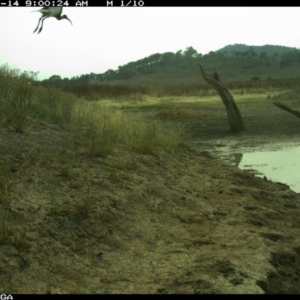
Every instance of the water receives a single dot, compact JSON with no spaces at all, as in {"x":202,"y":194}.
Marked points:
{"x":278,"y":162}
{"x":279,"y":165}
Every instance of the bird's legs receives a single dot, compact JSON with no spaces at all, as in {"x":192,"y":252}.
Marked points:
{"x":42,"y":23}
{"x":38,"y":24}
{"x":42,"y":18}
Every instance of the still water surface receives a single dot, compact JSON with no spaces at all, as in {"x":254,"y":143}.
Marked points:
{"x":279,"y":162}
{"x":279,"y":165}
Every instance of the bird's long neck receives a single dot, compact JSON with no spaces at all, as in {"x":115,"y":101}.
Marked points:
{"x":61,"y":17}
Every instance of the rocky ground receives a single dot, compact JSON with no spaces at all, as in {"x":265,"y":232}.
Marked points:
{"x":133,"y":223}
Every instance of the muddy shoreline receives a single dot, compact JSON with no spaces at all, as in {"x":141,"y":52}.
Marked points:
{"x":267,"y":128}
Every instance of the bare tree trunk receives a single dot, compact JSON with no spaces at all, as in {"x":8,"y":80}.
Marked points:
{"x":284,"y":107}
{"x":235,"y":119}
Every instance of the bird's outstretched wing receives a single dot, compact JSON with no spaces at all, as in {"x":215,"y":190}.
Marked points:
{"x":43,"y":9}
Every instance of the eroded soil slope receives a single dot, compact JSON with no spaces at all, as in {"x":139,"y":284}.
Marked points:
{"x":133,"y":223}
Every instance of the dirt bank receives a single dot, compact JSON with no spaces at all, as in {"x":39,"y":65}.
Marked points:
{"x":133,"y":223}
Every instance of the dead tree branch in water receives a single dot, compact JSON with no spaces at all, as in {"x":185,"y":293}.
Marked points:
{"x":284,"y":107}
{"x":235,"y":119}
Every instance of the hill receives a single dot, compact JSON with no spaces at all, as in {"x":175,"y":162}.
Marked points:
{"x":234,"y":63}
{"x":269,"y":49}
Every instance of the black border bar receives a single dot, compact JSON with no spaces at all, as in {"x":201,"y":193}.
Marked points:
{"x":128,"y":3}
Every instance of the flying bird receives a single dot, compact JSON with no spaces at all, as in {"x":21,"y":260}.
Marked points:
{"x":50,"y":12}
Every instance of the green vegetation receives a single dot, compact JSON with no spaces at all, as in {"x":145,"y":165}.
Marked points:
{"x":270,"y":49}
{"x":103,"y":128}
{"x":52,"y":135}
{"x":104,"y":119}
{"x":235,"y":62}
{"x":255,"y":78}
{"x":45,"y":129}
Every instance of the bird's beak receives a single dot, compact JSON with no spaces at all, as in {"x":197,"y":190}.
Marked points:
{"x":69,"y":20}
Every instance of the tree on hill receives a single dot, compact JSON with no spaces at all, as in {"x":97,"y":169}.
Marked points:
{"x":238,"y":54}
{"x":178,"y":55}
{"x":269,"y":49}
{"x":190,"y":52}
{"x":154,"y":58}
{"x":55,"y":78}
{"x":290,"y":57}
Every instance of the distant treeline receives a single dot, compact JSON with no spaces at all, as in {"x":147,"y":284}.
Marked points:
{"x":189,"y":59}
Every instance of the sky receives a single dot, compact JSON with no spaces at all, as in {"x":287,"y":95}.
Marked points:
{"x":104,"y":38}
